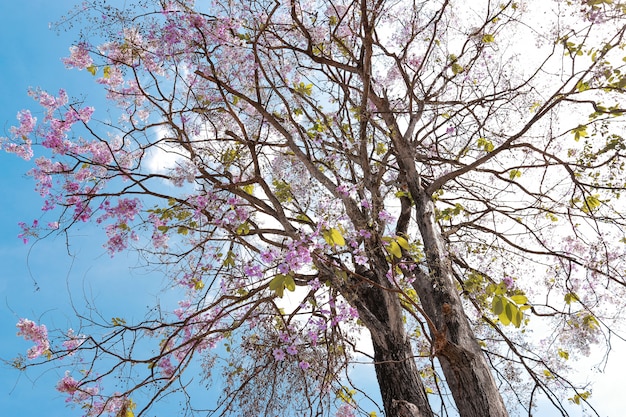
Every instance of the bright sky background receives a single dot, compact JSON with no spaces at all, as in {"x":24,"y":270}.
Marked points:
{"x":35,"y":281}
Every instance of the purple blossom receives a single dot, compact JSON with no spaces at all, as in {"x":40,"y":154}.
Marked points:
{"x":292,"y":350}
{"x":386,"y":217}
{"x":279,"y":354}
{"x":304,"y":365}
{"x":267,"y":256}
{"x":509,"y":282}
{"x":344,"y":190}
{"x":361,"y":260}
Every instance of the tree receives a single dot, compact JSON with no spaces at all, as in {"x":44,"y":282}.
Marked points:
{"x":445,"y":175}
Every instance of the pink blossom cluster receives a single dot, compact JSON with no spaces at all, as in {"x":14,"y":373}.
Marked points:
{"x":79,"y":57}
{"x":36,"y":333}
{"x":73,"y":341}
{"x":20,"y":142}
{"x":345,"y":410}
{"x":90,"y":397}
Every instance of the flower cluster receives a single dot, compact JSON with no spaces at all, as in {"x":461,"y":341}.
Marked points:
{"x":36,"y":333}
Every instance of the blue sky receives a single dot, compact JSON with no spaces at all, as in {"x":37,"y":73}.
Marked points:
{"x":36,"y":281}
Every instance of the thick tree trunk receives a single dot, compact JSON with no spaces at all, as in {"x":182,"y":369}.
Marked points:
{"x":401,"y":387}
{"x":464,"y":365}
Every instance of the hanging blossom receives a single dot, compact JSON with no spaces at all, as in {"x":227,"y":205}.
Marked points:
{"x":38,"y":334}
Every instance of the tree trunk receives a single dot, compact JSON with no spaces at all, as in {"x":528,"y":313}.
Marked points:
{"x":401,"y":387}
{"x":464,"y":365}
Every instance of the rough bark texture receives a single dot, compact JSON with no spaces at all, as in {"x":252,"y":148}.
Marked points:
{"x":464,"y":365}
{"x":401,"y":388}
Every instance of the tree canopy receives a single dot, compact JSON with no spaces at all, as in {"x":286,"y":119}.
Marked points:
{"x":443,"y":178}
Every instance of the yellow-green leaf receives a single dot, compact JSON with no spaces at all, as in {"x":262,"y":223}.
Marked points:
{"x":106,"y":71}
{"x":519,"y":299}
{"x":277,"y":284}
{"x":290,"y":284}
{"x":487,"y":38}
{"x":92,"y":69}
{"x":592,"y":202}
{"x":515,"y":173}
{"x":404,"y":244}
{"x":336,"y":237}
{"x":486,"y":144}
{"x":394,"y":249}
{"x":518,"y":316}
{"x":497,"y":305}
{"x":580,"y":131}
{"x":569,"y":297}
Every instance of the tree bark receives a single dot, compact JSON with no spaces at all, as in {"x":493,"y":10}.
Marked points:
{"x":464,"y":365}
{"x":401,"y":387}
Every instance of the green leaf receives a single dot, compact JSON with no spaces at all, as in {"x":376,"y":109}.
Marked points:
{"x":518,"y":316}
{"x":580,"y":132}
{"x":230,"y":259}
{"x":92,"y":69}
{"x":290,"y":284}
{"x":519,"y":299}
{"x":243,"y":229}
{"x":509,"y":311}
{"x":456,"y":68}
{"x":280,"y":282}
{"x":334,"y":237}
{"x":306,"y":89}
{"x":515,"y":173}
{"x":277,"y":284}
{"x":580,"y":397}
{"x":337,"y":237}
{"x":487,"y":38}
{"x":486,"y":144}
{"x":497,"y":305}
{"x":570,"y":297}
{"x":564,"y":354}
{"x":107,"y":72}
{"x":117,"y":321}
{"x":404,"y":244}
{"x":394,"y":249}
{"x":592,"y":203}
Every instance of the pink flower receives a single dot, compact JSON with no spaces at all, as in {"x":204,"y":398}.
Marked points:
{"x":508,"y":281}
{"x":73,"y":341}
{"x":279,"y":354}
{"x":385,"y":216}
{"x":38,"y":334}
{"x":67,"y":385}
{"x":304,"y":365}
{"x":79,"y":57}
{"x":292,"y":350}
